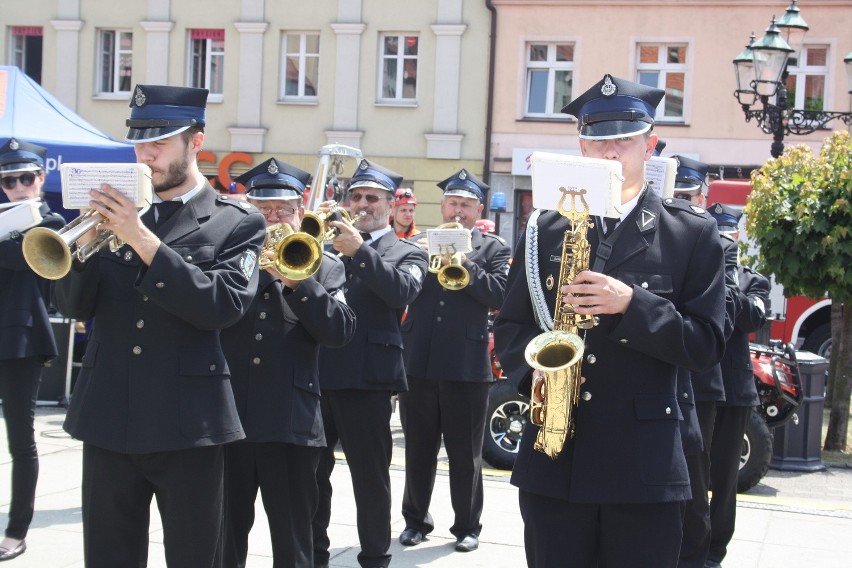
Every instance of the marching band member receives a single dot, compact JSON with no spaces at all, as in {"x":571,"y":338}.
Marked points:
{"x":273,"y":356}
{"x":26,"y":337}
{"x":614,"y":496}
{"x":153,"y":403}
{"x":449,"y":372}
{"x":383,"y":275}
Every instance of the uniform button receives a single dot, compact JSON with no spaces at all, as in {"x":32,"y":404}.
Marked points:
{"x":623,"y":340}
{"x":311,"y":385}
{"x":161,"y":284}
{"x":137,"y":350}
{"x":591,"y":359}
{"x":189,"y":258}
{"x":140,"y":324}
{"x":144,"y":298}
{"x":266,"y":295}
{"x":438,"y":318}
{"x":668,"y":410}
{"x":262,"y":315}
{"x":363,"y":265}
{"x":597,"y":320}
{"x":645,"y":285}
{"x":212,"y":367}
{"x":304,"y":299}
{"x":587,"y":396}
{"x":127,"y":256}
{"x":258,"y":337}
{"x":441,"y":303}
{"x":256,"y":360}
{"x":686,"y":395}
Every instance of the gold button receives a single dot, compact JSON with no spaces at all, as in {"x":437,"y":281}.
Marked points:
{"x":137,"y":350}
{"x":140,"y":324}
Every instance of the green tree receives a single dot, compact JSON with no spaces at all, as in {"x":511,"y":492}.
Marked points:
{"x":799,"y":213}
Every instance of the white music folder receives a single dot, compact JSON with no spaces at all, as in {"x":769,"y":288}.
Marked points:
{"x":131,"y":180}
{"x":601,"y":179}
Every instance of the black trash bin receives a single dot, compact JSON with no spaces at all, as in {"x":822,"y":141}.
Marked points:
{"x":798,"y":444}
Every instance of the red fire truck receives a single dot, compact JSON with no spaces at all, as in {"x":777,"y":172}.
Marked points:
{"x":802,"y":321}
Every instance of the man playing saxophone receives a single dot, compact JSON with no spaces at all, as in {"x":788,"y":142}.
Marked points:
{"x":445,"y":334}
{"x":273,"y":353}
{"x":614,"y":495}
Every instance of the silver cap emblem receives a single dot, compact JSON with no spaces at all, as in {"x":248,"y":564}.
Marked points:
{"x":608,"y":88}
{"x":272,"y":169}
{"x":13,"y":144}
{"x":139,"y":98}
{"x":463,"y":175}
{"x":363,"y":165}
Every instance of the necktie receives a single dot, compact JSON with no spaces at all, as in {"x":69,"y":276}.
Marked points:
{"x":366,"y":236}
{"x":166,"y":209}
{"x":609,"y":223}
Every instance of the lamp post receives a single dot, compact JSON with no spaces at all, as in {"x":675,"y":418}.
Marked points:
{"x":761,"y":72}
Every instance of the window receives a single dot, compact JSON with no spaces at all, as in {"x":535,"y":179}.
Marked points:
{"x":664,"y":66}
{"x":115,"y":61}
{"x":398,"y":69}
{"x":206,"y":61}
{"x":550,"y":77}
{"x":300,"y":54}
{"x":25,"y":50}
{"x":806,"y":80}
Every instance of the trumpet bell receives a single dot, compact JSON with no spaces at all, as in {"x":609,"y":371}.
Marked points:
{"x":554,"y":351}
{"x":298,"y":256}
{"x":47,"y":253}
{"x":453,"y":276}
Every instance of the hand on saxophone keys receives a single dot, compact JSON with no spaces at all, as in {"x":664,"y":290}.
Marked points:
{"x":593,"y":293}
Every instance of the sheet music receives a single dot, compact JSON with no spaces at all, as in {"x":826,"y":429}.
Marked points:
{"x":448,"y":241}
{"x":600,"y":178}
{"x":660,"y":174}
{"x":131,"y":180}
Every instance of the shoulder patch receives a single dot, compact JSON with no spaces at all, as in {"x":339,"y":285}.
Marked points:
{"x":673,"y":204}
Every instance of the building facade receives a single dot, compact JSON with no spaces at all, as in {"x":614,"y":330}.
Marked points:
{"x":286,"y":77}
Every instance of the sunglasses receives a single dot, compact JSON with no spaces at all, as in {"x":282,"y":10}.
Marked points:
{"x":369,"y":198}
{"x":26,"y":179}
{"x":686,"y":196}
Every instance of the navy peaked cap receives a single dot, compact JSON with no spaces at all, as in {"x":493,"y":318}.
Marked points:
{"x":274,"y":179}
{"x":368,"y":174}
{"x":464,"y":184}
{"x":691,"y":174}
{"x":160,"y":111}
{"x":19,"y":156}
{"x":725,"y":215}
{"x":615,"y":108}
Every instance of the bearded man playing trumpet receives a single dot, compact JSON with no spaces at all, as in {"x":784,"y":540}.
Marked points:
{"x":273,"y":355}
{"x":445,"y":334}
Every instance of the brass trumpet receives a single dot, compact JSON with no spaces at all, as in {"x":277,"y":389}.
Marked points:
{"x":452,"y":276}
{"x":50,"y":253}
{"x":317,"y":224}
{"x":296,"y":255}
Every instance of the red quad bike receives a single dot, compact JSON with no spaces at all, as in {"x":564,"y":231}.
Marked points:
{"x":776,"y":376}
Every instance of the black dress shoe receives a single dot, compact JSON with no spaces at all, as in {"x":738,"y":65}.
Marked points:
{"x":467,"y":544}
{"x":8,"y":554}
{"x":410,"y":537}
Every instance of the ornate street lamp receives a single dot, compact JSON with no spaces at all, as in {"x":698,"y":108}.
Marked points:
{"x":761,"y":73}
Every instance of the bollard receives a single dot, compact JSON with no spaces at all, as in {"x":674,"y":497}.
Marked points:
{"x":797,"y":447}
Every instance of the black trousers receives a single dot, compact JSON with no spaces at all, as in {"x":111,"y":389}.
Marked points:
{"x":285,"y":474}
{"x":19,"y":381}
{"x":725,"y":456}
{"x":117,"y":492}
{"x":360,"y":420}
{"x":457,"y":411}
{"x":579,"y":535}
{"x":696,"y":518}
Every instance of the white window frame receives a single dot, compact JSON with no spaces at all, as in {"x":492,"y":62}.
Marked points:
{"x":209,"y":55}
{"x":116,"y":54}
{"x":800,"y":72}
{"x":662,"y":67}
{"x":18,"y":51}
{"x":303,"y":57}
{"x":552,"y":66}
{"x":400,"y":58}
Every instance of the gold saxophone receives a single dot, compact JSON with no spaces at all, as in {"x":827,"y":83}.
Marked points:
{"x":558,"y":353}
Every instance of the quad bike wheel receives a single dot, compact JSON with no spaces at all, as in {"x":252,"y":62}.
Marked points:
{"x":757,"y":451}
{"x":507,"y":414}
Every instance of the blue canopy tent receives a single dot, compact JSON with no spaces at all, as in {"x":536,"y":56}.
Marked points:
{"x":28,"y":112}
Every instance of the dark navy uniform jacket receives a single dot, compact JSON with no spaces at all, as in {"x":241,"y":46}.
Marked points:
{"x":25,"y":329}
{"x":154,"y":376}
{"x":446,"y":332}
{"x":736,"y":363}
{"x":381,"y":279}
{"x":273,"y":354}
{"x":627,"y":447}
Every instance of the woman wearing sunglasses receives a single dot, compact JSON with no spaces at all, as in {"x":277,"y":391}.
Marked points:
{"x":26,"y":338}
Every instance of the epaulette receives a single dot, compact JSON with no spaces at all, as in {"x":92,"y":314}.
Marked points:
{"x":240,"y":204}
{"x":684,"y":205}
{"x":410,"y":243}
{"x":727,"y":236}
{"x":498,"y":237}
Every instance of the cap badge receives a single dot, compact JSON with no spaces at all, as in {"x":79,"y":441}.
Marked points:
{"x":363,"y":165}
{"x":13,"y":144}
{"x":718,"y":208}
{"x":139,"y":98}
{"x":272,"y":169}
{"x":608,"y":88}
{"x":462,"y":175}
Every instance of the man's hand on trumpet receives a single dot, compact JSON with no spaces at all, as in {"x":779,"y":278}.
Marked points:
{"x":122,"y":219}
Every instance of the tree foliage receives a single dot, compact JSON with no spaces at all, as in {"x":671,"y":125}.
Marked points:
{"x":800,"y":215}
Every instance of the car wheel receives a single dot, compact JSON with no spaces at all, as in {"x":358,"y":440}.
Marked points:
{"x":819,"y":341}
{"x":757,"y":451}
{"x":507,"y":415}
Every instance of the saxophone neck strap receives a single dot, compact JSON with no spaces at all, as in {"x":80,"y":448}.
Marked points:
{"x":607,"y":242}
{"x":539,"y":303}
